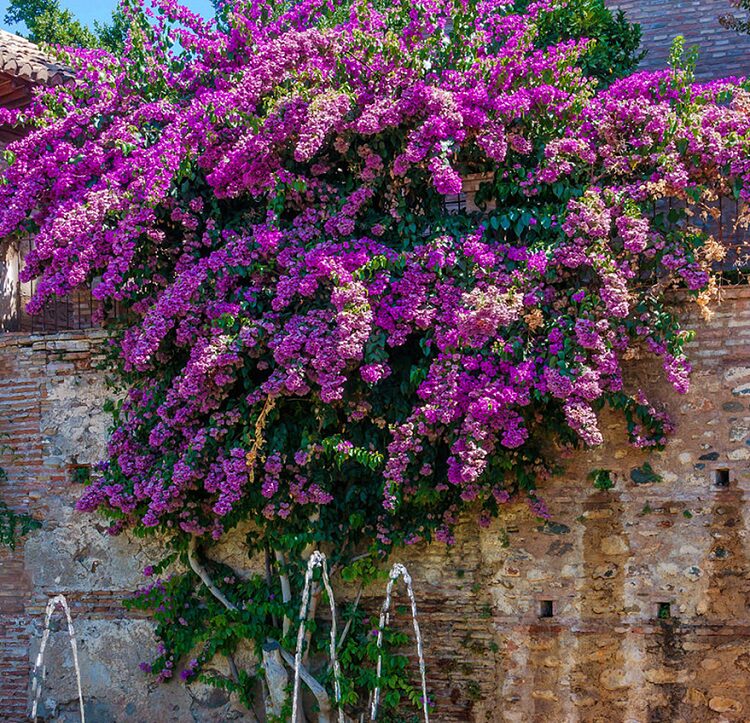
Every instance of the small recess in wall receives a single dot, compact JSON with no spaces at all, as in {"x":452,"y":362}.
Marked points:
{"x":721,"y":478}
{"x":546,"y":609}
{"x":664,"y":611}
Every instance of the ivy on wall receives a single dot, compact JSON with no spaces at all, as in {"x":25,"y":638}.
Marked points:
{"x":13,"y":525}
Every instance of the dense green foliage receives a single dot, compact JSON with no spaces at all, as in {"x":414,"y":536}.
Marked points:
{"x":46,"y":21}
{"x":616,"y":50}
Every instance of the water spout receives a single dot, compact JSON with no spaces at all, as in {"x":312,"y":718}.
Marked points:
{"x":398,"y":570}
{"x":317,"y":559}
{"x":36,"y":687}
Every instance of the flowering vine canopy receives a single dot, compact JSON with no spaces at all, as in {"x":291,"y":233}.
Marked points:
{"x":317,"y":339}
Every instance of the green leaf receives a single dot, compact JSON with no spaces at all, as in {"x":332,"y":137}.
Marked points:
{"x":644,"y":475}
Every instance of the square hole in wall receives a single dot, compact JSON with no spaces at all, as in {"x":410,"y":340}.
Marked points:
{"x":664,"y":611}
{"x":721,"y":478}
{"x":546,"y":609}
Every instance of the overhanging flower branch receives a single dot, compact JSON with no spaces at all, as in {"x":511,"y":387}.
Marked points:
{"x":267,"y":200}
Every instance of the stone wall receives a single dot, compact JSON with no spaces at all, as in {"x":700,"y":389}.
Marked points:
{"x":609,"y":563}
{"x":722,"y":52}
{"x":50,"y":410}
{"x":610,"y":566}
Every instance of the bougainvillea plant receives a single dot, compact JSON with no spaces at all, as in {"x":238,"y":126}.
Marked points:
{"x":319,"y":342}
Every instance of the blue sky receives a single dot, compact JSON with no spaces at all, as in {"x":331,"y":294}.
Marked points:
{"x":89,"y":10}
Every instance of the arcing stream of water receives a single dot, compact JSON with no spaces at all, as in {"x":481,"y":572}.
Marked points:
{"x":36,"y":687}
{"x":398,"y":570}
{"x":317,"y":559}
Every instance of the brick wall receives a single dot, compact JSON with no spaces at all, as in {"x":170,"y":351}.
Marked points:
{"x":31,"y":370}
{"x":723,"y":52}
{"x":606,"y":562}
{"x":611,"y":558}
{"x":50,"y":410}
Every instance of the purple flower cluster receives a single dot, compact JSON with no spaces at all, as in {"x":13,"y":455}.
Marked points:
{"x":270,"y":213}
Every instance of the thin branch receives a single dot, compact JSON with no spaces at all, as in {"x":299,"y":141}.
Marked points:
{"x":260,"y":426}
{"x":269,"y":580}
{"x":258,"y":719}
{"x":233,"y":668}
{"x":202,"y":573}
{"x":314,"y":600}
{"x":348,"y":625}
{"x":250,"y":458}
{"x":286,"y":588}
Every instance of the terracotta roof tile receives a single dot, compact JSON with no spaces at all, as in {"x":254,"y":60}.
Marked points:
{"x":23,"y":59}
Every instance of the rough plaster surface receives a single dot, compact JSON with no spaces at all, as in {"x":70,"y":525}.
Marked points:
{"x":109,"y":652}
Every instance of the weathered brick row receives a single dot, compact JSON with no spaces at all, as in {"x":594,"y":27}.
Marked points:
{"x":722,"y":52}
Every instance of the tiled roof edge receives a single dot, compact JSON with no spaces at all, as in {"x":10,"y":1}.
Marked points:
{"x":23,"y":59}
